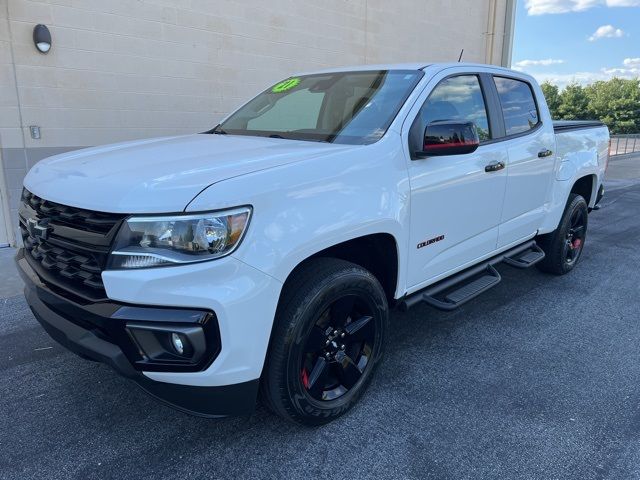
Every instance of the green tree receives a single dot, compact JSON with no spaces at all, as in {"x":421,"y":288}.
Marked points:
{"x":574,"y":103}
{"x":616,"y":103}
{"x":552,"y":95}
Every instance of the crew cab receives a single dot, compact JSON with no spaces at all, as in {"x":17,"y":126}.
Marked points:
{"x":263,"y":255}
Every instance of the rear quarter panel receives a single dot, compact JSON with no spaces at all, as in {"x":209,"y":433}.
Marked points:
{"x":579,"y":153}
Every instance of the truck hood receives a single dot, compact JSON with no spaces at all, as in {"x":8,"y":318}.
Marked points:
{"x":160,"y":175}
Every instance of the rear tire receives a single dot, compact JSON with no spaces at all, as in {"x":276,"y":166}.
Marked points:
{"x":327,"y":341}
{"x":563,"y":247}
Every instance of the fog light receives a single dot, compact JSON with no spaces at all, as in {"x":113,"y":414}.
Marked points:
{"x":177,"y":343}
{"x":168,"y":344}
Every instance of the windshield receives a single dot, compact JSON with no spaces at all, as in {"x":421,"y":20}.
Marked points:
{"x":347,"y":107}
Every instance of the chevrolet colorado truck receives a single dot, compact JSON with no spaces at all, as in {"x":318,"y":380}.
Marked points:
{"x":263,"y":256}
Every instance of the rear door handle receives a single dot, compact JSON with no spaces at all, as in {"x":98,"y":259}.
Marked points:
{"x":545,"y":153}
{"x":494,"y":167}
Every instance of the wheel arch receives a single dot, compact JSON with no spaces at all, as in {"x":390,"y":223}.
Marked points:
{"x":362,"y":251}
{"x":586,"y":187}
{"x":376,"y":252}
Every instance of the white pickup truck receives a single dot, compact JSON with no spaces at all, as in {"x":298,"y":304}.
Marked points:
{"x":264,"y":255}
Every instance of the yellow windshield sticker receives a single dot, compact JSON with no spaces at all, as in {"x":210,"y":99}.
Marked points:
{"x":286,"y":85}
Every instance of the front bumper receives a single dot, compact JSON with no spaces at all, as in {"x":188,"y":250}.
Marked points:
{"x":84,"y":329}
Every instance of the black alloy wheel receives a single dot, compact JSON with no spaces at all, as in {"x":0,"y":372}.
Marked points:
{"x":327,"y":340}
{"x":563,"y":247}
{"x":339,"y":348}
{"x":575,"y":236}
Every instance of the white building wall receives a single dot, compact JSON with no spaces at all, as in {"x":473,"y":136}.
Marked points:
{"x":123,"y":69}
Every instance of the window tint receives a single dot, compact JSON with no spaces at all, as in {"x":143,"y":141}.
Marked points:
{"x":457,"y":98}
{"x":518,"y":105}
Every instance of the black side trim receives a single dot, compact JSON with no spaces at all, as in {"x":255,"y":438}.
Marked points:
{"x":494,"y":110}
{"x":568,"y":125}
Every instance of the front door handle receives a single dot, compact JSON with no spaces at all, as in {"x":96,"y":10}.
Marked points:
{"x":545,"y":153}
{"x":494,"y":167}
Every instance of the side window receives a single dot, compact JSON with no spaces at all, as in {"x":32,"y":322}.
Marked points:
{"x":518,"y":105}
{"x":455,"y":98}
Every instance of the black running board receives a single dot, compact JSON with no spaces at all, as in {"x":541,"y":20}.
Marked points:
{"x":464,"y":290}
{"x":452,"y":292}
{"x":526,"y":258}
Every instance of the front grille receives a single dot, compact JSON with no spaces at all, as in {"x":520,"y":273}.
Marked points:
{"x":67,"y":246}
{"x":77,"y":218}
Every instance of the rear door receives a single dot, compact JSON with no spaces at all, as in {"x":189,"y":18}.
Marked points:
{"x":529,"y":140}
{"x":456,"y":204}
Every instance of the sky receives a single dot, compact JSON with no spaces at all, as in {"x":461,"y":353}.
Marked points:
{"x":581,"y":41}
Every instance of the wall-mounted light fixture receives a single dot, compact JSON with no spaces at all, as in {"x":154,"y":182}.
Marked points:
{"x":42,"y":38}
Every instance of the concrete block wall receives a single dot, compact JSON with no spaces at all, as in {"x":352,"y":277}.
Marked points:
{"x":12,"y":162}
{"x":123,"y":69}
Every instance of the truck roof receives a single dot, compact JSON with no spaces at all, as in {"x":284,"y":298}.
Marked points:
{"x":401,"y":66}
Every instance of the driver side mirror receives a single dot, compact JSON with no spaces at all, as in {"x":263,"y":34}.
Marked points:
{"x":449,"y":138}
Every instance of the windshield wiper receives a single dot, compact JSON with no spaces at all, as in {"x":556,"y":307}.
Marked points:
{"x":216,"y":131}
{"x":295,"y":136}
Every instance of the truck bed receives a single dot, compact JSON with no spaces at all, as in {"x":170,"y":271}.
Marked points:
{"x":566,"y":125}
{"x":581,"y":145}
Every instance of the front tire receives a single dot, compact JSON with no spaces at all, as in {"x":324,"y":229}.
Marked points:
{"x":327,"y":341}
{"x":563,"y":247}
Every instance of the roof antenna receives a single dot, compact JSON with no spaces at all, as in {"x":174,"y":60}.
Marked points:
{"x":460,"y":57}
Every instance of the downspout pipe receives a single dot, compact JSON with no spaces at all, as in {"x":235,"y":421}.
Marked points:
{"x":491,"y":31}
{"x":507,"y":40}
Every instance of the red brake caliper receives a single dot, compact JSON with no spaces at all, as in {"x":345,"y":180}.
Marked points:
{"x":576,"y":243}
{"x":305,"y":378}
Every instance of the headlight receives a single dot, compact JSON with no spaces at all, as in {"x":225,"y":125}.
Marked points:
{"x":156,"y":241}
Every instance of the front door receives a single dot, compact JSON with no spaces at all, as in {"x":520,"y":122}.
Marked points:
{"x":456,"y":205}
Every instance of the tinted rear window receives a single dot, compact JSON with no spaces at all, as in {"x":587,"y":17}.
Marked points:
{"x":518,"y":105}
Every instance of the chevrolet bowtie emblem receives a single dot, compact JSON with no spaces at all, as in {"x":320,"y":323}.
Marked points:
{"x":37,"y":229}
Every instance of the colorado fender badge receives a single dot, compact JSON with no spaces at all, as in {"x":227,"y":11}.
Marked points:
{"x":431,"y":241}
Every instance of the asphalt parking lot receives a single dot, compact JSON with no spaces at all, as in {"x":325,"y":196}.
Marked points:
{"x":538,"y":378}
